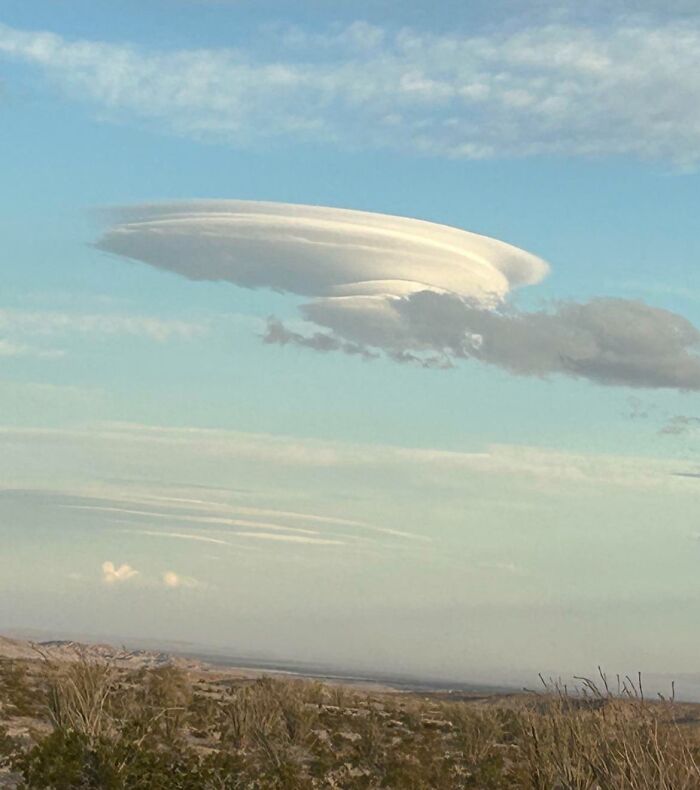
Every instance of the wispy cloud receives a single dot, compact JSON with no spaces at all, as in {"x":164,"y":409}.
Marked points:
{"x":256,"y":511}
{"x":199,"y":511}
{"x":11,"y":349}
{"x":546,"y":88}
{"x":154,"y":447}
{"x":177,"y":536}
{"x":48,"y":323}
{"x":290,"y":538}
{"x":680,"y":425}
{"x":232,"y":526}
{"x":195,"y":518}
{"x":278,"y":334}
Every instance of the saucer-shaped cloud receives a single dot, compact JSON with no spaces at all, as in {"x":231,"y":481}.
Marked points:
{"x":417,"y":291}
{"x":318,"y":251}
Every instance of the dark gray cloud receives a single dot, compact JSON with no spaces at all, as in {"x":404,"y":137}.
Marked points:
{"x":609,"y":341}
{"x":638,"y":409}
{"x":679,"y":425}
{"x":277,"y":333}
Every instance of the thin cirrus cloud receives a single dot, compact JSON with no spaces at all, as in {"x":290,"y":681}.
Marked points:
{"x":193,"y":518}
{"x":220,"y":455}
{"x":416,"y":291}
{"x":11,"y":349}
{"x":572,"y":88}
{"x":51,"y":323}
{"x":232,"y":527}
{"x":18,"y":325}
{"x":184,"y":521}
{"x":176,"y":536}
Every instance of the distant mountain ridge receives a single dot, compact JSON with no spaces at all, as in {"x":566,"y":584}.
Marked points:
{"x":69,"y":650}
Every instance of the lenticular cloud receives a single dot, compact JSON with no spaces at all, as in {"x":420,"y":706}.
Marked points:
{"x":416,"y":291}
{"x":320,"y":252}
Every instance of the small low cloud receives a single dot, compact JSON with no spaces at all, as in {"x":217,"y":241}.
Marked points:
{"x":113,"y":575}
{"x":174,"y":580}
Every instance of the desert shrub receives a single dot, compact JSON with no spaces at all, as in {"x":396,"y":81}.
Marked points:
{"x":116,"y":729}
{"x":18,"y":695}
{"x":78,"y":694}
{"x":64,"y":760}
{"x":272,"y":724}
{"x":9,"y":748}
{"x":597,"y":738}
{"x":69,"y":761}
{"x":154,"y":707}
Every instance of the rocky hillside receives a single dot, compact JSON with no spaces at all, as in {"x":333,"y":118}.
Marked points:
{"x":68,"y":650}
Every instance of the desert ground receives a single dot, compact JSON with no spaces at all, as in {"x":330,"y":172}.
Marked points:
{"x":95,"y":716}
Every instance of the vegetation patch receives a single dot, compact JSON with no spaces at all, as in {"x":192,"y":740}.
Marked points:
{"x":91,"y":725}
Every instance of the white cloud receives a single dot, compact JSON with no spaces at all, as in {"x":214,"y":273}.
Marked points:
{"x":114,"y":575}
{"x":174,"y":580}
{"x":11,"y":349}
{"x":319,"y":251}
{"x":177,"y":536}
{"x":199,"y":512}
{"x":209,"y":504}
{"x":619,"y":88}
{"x":194,"y":518}
{"x":228,"y":452}
{"x":417,"y":291}
{"x":290,"y":538}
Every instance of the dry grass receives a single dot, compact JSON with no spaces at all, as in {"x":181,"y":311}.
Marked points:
{"x":162,"y":728}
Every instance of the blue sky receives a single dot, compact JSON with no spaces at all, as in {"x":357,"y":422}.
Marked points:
{"x":458,"y":512}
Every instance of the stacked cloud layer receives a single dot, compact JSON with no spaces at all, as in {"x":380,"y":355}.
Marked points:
{"x":418,"y":291}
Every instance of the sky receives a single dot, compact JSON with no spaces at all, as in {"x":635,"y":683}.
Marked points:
{"x":362,"y":333}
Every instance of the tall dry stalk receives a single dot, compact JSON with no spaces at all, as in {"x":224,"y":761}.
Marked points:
{"x":78,"y":694}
